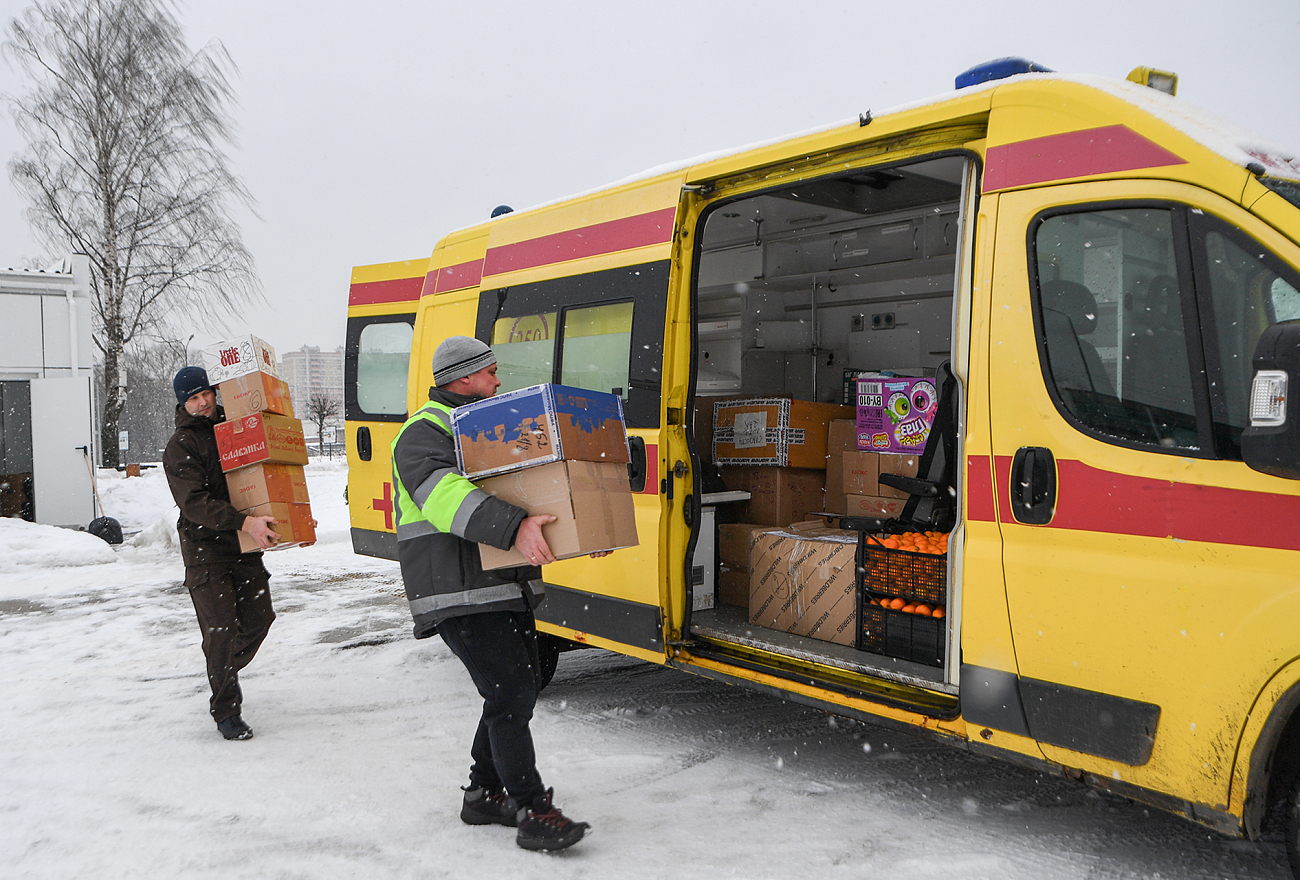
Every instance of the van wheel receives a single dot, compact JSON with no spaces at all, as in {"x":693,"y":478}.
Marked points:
{"x":548,"y":657}
{"x":1292,"y":825}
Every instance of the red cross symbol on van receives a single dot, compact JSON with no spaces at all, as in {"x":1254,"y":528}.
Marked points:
{"x":385,"y":504}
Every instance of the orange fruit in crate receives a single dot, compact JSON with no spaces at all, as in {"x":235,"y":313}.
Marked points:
{"x":897,"y":603}
{"x":924,"y":610}
{"x":909,"y":609}
{"x":939,"y":612}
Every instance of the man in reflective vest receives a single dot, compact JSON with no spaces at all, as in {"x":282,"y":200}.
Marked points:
{"x":485,"y":617}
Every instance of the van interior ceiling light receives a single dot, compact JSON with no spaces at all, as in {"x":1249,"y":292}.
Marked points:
{"x":1160,"y":80}
{"x":1268,"y":399}
{"x":999,"y":68}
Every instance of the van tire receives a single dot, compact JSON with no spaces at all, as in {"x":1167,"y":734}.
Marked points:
{"x":1291,"y":825}
{"x":548,"y":657}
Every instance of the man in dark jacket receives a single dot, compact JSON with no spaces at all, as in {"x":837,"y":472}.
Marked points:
{"x":485,"y":617}
{"x":230,"y":589}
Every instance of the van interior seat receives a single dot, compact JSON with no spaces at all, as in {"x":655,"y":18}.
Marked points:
{"x":1069,"y":314}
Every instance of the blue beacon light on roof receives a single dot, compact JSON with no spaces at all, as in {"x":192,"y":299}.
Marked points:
{"x":1000,"y":68}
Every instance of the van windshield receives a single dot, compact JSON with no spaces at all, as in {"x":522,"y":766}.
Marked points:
{"x":1287,"y":189}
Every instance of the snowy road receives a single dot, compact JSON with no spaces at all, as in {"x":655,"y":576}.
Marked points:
{"x":111,"y":767}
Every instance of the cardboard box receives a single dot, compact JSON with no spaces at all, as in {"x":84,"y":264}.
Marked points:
{"x":895,"y":415}
{"x":294,"y":525}
{"x":860,"y":471}
{"x":769,"y":580}
{"x":874,"y":505}
{"x":773,"y":431}
{"x":264,"y":483}
{"x":802,"y":582}
{"x":260,"y":437}
{"x":827,"y":603}
{"x":733,"y":586}
{"x":841,"y":437}
{"x":238,"y":357}
{"x":734,"y":541}
{"x":778,"y":496}
{"x":253,"y":393}
{"x":902,"y":465}
{"x":538,"y":425}
{"x":591,"y":499}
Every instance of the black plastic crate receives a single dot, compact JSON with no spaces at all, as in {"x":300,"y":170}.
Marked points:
{"x":920,"y":576}
{"x":901,"y":634}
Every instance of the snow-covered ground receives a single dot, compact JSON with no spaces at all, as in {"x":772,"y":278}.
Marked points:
{"x":110,"y":766}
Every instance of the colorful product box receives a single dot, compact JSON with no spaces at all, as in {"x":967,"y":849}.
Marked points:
{"x":294,"y":524}
{"x":253,"y":393}
{"x":536,"y":426}
{"x":591,"y":501}
{"x":895,"y":415}
{"x":261,"y":437}
{"x":773,"y":431}
{"x":264,"y":483}
{"x":238,"y":357}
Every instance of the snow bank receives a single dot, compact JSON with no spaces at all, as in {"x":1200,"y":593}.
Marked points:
{"x":25,"y":545}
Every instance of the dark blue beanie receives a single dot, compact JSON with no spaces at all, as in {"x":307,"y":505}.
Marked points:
{"x":189,"y":382}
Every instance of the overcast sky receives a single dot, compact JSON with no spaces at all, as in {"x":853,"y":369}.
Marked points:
{"x":368,"y":131}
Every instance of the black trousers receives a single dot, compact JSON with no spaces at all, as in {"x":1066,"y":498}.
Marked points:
{"x":233,"y":604}
{"x":499,"y":648}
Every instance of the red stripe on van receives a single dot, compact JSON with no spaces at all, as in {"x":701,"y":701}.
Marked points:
{"x":397,"y":290}
{"x":1094,"y":500}
{"x":979,"y":490}
{"x":622,"y":234}
{"x":455,"y":277}
{"x":1105,"y":150}
{"x":651,"y":469}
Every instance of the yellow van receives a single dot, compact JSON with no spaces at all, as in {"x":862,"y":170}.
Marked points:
{"x":1112,"y":276}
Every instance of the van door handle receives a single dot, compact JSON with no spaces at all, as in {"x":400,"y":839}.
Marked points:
{"x":1033,"y":485}
{"x":363,"y":443}
{"x":637,"y":467}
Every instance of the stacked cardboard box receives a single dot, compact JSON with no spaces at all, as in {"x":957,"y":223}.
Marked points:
{"x":865,"y":494}
{"x":802,"y":582}
{"x":552,"y":449}
{"x":774,"y":431}
{"x":262,"y":447}
{"x":734,"y":543}
{"x":841,"y":437}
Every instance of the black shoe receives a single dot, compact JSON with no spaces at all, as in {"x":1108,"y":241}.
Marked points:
{"x":487,"y":807}
{"x":544,"y":827}
{"x":234,"y":728}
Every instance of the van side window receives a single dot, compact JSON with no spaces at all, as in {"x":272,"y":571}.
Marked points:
{"x":1109,"y":304}
{"x":597,"y":345}
{"x":1248,"y":290}
{"x":378,"y":353}
{"x":525,"y":350}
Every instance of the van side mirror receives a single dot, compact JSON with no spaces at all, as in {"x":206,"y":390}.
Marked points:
{"x":1271,"y":444}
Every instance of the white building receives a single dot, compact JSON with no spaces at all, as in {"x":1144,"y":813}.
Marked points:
{"x":48,"y":436}
{"x":310,"y":371}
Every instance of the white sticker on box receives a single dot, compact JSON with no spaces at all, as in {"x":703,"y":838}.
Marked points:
{"x":750,"y":430}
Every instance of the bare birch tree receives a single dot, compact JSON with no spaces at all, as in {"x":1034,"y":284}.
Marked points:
{"x":321,"y":407}
{"x":125,"y":130}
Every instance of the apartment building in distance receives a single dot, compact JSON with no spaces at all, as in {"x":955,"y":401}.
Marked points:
{"x":310,"y":371}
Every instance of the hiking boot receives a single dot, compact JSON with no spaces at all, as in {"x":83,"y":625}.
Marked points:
{"x":234,"y":728}
{"x":487,"y":807}
{"x":544,"y":827}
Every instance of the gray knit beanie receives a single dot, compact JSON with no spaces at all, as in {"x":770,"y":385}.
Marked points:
{"x":458,"y":357}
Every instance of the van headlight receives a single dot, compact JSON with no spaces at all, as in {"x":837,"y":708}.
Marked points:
{"x":1268,"y":399}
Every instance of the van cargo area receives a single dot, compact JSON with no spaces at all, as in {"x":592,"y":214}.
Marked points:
{"x":798,"y":291}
